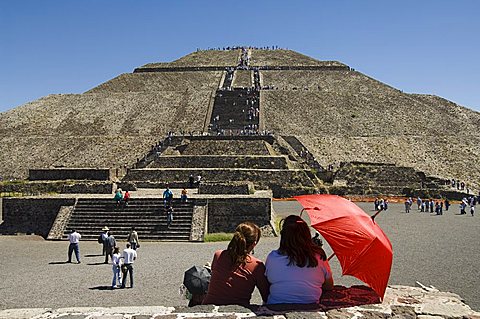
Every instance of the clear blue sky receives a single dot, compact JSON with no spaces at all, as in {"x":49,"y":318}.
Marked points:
{"x":54,"y":46}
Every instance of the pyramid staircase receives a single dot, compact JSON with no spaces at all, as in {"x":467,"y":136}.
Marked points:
{"x":147,"y":215}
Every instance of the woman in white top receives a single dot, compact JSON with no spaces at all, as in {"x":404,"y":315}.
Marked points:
{"x":298,"y":271}
{"x":116,"y":265}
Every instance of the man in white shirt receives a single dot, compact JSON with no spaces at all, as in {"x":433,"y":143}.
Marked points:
{"x":129,"y":256}
{"x":74,"y":239}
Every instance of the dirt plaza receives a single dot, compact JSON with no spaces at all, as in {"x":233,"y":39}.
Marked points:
{"x":435,"y":250}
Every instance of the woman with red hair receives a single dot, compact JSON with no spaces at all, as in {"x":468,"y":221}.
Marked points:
{"x":298,"y":270}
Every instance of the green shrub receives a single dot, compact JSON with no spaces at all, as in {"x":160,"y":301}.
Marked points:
{"x":214,"y":237}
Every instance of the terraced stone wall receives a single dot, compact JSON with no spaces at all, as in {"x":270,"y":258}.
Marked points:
{"x":220,"y":161}
{"x":226,"y":147}
{"x":31,"y":215}
{"x":225,"y":215}
{"x":356,"y":119}
{"x":161,"y":81}
{"x":202,"y":59}
{"x":71,"y":174}
{"x":94,"y":130}
{"x":286,"y":58}
{"x":379,"y":175}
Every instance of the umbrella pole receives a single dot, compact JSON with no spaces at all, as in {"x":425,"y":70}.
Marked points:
{"x":375,"y":215}
{"x":302,"y":212}
{"x":331,"y":256}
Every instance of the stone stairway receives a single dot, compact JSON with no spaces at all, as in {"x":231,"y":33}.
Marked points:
{"x":231,"y":110}
{"x":145,"y":214}
{"x":303,"y":152}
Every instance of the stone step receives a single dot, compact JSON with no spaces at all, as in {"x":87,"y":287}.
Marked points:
{"x":157,"y":229}
{"x":156,"y":210}
{"x":127,"y":225}
{"x":159,"y":212}
{"x":165,"y":237}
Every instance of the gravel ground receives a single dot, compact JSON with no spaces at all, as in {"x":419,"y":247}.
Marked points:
{"x":436,"y":250}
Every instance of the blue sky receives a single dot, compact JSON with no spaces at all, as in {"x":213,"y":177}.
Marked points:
{"x":53,"y":46}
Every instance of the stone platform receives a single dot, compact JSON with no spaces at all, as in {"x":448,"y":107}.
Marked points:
{"x":400,"y":302}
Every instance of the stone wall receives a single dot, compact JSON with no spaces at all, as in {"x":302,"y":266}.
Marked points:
{"x":225,"y":214}
{"x":400,"y":302}
{"x":221,"y":161}
{"x":63,"y":187}
{"x":264,"y":179}
{"x":226,"y":147}
{"x":55,"y":174}
{"x":31,"y":215}
{"x":218,"y":188}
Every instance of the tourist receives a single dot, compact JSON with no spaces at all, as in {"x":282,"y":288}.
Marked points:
{"x":126,"y":197}
{"x":184,"y":195}
{"x":447,"y":204}
{"x":235,"y":272}
{"x":118,"y":197}
{"x":74,"y":239}
{"x":116,"y":265}
{"x":133,"y":239}
{"x":407,"y":206}
{"x":463,"y":206}
{"x":419,"y":203}
{"x":298,"y":271}
{"x":385,"y":204}
{"x":437,"y":208}
{"x":167,"y":197}
{"x":376,"y":204}
{"x":129,"y":256}
{"x":191,"y":180}
{"x":381,"y":204}
{"x":473,"y":202}
{"x":169,"y":211}
{"x":431,"y":205}
{"x":102,"y":239}
{"x":111,"y":243}
{"x":198,"y":180}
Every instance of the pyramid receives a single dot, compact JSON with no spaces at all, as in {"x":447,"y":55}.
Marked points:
{"x":336,"y":113}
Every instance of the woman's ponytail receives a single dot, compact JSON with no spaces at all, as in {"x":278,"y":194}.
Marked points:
{"x":245,"y":237}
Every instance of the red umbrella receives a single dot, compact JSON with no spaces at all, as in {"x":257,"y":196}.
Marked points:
{"x":363,"y":249}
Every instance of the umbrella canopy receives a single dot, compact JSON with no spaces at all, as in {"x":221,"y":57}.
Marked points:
{"x":196,"y":280}
{"x":363,"y":249}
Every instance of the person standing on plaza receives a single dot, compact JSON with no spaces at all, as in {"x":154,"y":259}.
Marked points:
{"x":111,"y":244}
{"x":133,"y":239}
{"x":129,"y":256}
{"x":447,"y":204}
{"x":74,"y":239}
{"x":102,"y":239}
{"x":407,"y":206}
{"x":116,"y":265}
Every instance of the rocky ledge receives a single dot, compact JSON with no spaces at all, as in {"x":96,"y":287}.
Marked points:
{"x":401,"y":302}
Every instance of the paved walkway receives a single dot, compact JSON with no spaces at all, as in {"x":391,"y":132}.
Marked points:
{"x":442,"y":251}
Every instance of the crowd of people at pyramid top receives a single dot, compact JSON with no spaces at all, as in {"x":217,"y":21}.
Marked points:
{"x":239,"y":47}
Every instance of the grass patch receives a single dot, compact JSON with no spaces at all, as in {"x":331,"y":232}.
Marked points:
{"x":276,"y":222}
{"x":213,"y":237}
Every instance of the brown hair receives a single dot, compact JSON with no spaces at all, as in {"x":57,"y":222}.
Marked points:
{"x":246,"y":235}
{"x":297,"y":244}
